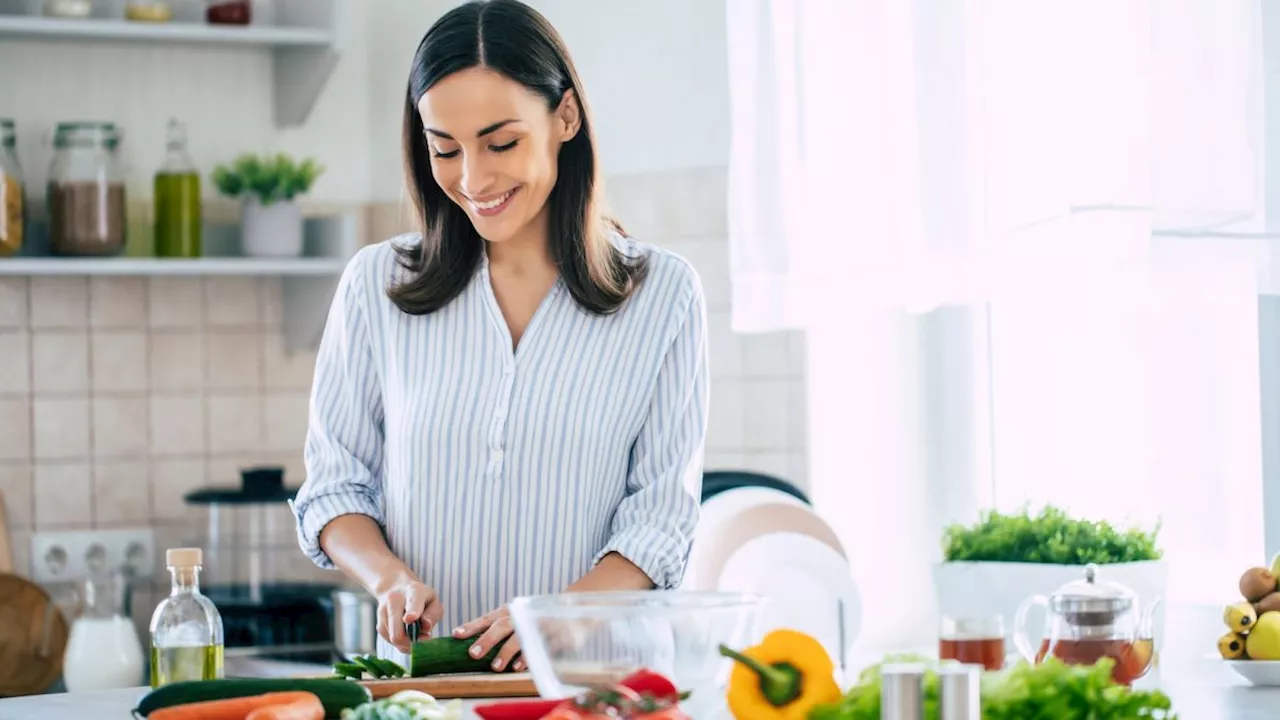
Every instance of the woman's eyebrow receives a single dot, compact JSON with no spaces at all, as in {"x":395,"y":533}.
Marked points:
{"x":483,"y":131}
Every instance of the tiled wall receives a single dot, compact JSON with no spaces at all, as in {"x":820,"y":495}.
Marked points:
{"x":120,"y":395}
{"x":758,"y":405}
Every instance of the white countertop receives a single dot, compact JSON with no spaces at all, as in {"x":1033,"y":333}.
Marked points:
{"x":105,"y":705}
{"x":1201,"y":689}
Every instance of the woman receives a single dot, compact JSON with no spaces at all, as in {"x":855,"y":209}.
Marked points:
{"x":514,"y":401}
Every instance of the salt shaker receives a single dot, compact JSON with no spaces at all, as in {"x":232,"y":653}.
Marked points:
{"x":960,"y":691}
{"x":902,"y":691}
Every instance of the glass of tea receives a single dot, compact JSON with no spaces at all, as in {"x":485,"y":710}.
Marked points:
{"x":973,"y":640}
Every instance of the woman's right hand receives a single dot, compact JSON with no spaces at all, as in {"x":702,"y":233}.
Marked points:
{"x":407,"y":601}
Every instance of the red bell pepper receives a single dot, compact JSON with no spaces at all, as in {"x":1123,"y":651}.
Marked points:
{"x":646,"y":691}
{"x":517,"y":709}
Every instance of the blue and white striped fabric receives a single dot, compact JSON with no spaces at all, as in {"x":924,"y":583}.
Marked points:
{"x":499,"y":473}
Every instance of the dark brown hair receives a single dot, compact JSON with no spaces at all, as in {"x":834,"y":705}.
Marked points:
{"x":513,"y":39}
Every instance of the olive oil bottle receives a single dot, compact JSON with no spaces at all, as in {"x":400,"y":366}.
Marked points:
{"x":186,"y":628}
{"x":177,"y":197}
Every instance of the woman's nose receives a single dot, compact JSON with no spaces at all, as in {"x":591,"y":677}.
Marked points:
{"x":477,"y":177}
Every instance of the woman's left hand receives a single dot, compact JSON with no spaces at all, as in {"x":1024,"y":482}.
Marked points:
{"x":494,"y":630}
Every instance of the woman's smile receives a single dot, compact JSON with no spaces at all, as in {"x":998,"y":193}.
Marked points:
{"x":491,"y":205}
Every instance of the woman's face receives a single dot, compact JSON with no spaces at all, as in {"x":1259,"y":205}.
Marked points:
{"x":494,"y":148}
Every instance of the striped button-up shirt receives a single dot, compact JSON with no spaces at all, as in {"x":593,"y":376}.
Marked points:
{"x":497,"y":473}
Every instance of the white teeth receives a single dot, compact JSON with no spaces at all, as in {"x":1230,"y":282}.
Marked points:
{"x":492,"y":203}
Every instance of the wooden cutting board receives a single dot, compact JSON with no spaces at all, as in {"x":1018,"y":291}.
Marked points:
{"x":447,"y":687}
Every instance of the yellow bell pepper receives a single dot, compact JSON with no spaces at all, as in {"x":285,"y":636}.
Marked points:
{"x":783,"y":678}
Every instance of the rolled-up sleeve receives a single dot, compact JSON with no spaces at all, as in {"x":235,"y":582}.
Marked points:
{"x":344,"y":443}
{"x":654,"y":524}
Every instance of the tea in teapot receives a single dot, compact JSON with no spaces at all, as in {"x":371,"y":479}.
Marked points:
{"x":1087,"y":620}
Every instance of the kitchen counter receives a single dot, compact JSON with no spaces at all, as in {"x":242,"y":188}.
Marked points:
{"x":1201,"y":690}
{"x":105,"y":705}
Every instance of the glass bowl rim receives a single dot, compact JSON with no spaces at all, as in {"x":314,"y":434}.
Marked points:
{"x":615,"y":603}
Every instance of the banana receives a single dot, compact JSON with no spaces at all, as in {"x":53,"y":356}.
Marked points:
{"x":1240,"y":617}
{"x":1231,"y":646}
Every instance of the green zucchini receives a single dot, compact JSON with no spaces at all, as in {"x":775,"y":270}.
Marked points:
{"x":444,"y":655}
{"x":369,"y":665}
{"x":335,"y":695}
{"x":389,"y":668}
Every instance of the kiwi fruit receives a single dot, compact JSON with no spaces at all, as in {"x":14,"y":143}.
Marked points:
{"x":1257,"y":583}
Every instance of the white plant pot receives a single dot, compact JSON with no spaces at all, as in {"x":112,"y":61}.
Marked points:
{"x":273,"y":230}
{"x":985,"y":589}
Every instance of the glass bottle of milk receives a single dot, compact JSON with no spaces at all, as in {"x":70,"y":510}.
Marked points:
{"x":103,"y":652}
{"x":186,"y":628}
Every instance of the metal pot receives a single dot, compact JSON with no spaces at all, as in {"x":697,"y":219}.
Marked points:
{"x":355,"y":623}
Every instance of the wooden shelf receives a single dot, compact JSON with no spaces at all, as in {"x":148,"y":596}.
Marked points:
{"x":18,"y":26}
{"x":125,"y":266}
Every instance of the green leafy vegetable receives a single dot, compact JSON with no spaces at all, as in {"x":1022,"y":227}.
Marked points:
{"x":271,"y":178}
{"x":1050,"y":691}
{"x":1050,"y":537}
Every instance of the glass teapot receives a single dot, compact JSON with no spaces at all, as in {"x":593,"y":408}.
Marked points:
{"x":1086,"y":620}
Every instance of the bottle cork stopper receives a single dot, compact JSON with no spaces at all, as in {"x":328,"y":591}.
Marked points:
{"x":183,"y":557}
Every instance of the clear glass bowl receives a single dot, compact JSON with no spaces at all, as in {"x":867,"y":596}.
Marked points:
{"x":575,"y":641}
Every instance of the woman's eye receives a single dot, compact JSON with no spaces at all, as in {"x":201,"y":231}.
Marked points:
{"x":503,"y":148}
{"x":444,"y":155}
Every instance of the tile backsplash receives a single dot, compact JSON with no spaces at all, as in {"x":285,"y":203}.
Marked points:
{"x":123,"y":394}
{"x":120,"y":395}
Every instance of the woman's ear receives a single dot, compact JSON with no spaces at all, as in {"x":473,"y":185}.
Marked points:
{"x":570,"y":115}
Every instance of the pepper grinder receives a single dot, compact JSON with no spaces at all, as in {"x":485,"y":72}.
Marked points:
{"x":902,"y":691}
{"x":960,"y":691}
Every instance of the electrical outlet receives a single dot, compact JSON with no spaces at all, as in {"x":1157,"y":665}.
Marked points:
{"x":69,"y":556}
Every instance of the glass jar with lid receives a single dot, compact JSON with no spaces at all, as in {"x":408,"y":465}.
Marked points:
{"x":86,"y":191}
{"x":68,"y":8}
{"x":12,"y":193}
{"x":149,"y":10}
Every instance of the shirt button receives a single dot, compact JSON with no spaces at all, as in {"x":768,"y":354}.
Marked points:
{"x":496,"y":456}
{"x":508,"y":371}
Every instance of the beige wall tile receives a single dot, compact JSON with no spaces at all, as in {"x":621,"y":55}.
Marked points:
{"x":119,"y":361}
{"x":15,"y":362}
{"x":120,"y":427}
{"x":234,"y":360}
{"x":175,"y":302}
{"x":177,"y":425}
{"x":725,"y":424}
{"x":724,"y":347}
{"x":59,"y":302}
{"x":15,"y":418}
{"x":233,"y":302}
{"x":118,"y":302}
{"x":776,"y":464}
{"x":235,"y":423}
{"x":287,"y":415}
{"x":60,"y":361}
{"x":121,"y":492}
{"x":176,"y":362}
{"x":61,"y":428}
{"x":768,"y":355}
{"x":170,"y":481}
{"x":13,"y":302}
{"x":285,"y":370}
{"x":272,"y":298}
{"x":17,"y":490}
{"x":64,"y":495}
{"x":20,"y":541}
{"x":768,"y":415}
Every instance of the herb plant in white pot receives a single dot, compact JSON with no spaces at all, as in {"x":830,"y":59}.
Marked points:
{"x":268,"y":186}
{"x":989,"y":568}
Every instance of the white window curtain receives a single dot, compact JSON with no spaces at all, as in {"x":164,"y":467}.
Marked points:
{"x":1022,"y":239}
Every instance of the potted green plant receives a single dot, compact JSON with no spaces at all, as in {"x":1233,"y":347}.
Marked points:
{"x":991,"y":566}
{"x":268,"y":186}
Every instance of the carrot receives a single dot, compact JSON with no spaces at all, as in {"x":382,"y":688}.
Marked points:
{"x":234,"y":708}
{"x":303,"y":708}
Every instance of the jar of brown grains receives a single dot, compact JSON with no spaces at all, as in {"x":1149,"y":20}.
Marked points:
{"x":12,"y":192}
{"x":86,"y":191}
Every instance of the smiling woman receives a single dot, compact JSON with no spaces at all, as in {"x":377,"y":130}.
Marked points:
{"x":512,"y":401}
